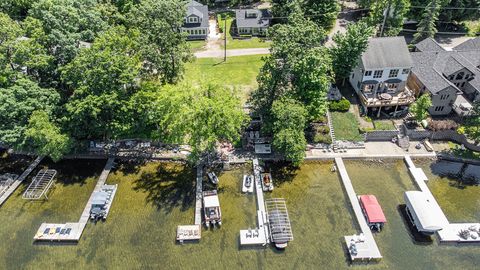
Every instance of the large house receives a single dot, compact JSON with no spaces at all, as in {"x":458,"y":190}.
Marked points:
{"x":381,"y":75}
{"x":253,"y":22}
{"x":196,"y":21}
{"x":450,"y":75}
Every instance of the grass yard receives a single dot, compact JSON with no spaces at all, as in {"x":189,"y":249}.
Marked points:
{"x":196,"y":45}
{"x":253,"y":42}
{"x":345,"y":126}
{"x":238,"y":71}
{"x":383,"y":125}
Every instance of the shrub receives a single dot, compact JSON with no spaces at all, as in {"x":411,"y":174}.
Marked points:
{"x":437,"y":125}
{"x":322,"y":138}
{"x":342,"y":105}
{"x":321,"y":119}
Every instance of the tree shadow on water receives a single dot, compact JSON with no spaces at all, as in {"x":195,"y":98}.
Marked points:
{"x":168,"y":187}
{"x":281,"y":171}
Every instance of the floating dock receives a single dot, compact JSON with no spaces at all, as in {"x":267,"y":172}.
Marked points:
{"x":71,"y":232}
{"x":260,"y":235}
{"x":450,"y":231}
{"x":19,"y":180}
{"x":363,"y":246}
{"x":189,"y":232}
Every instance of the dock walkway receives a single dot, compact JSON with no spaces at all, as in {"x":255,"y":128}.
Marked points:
{"x":366,"y":247}
{"x":450,"y":231}
{"x":198,"y":196}
{"x":58,"y":232}
{"x":20,"y":179}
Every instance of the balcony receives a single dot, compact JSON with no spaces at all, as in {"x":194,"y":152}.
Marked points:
{"x":399,"y":98}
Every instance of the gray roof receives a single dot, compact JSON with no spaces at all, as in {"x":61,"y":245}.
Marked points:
{"x":199,"y":10}
{"x":469,"y":45}
{"x":429,"y":45}
{"x":262,"y":19}
{"x":387,"y":52}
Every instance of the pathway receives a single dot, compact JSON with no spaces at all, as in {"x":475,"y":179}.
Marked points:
{"x":342,"y":21}
{"x":198,"y":196}
{"x":366,"y":249}
{"x":19,"y":180}
{"x":215,"y":53}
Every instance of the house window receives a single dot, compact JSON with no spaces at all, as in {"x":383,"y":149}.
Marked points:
{"x":405,"y":71}
{"x":439,"y":108}
{"x":460,"y":76}
{"x":393,"y":73}
{"x":444,"y":96}
{"x":392,"y":87}
{"x":368,"y":88}
{"x":353,"y":75}
{"x":192,"y":19}
{"x":368,"y":73}
{"x":463,"y":84}
{"x":378,"y":74}
{"x":451,"y":77}
{"x":358,"y":84}
{"x":467,"y":76}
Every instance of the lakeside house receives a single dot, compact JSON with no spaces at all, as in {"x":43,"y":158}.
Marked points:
{"x":380,"y":78}
{"x":196,"y":21}
{"x":254,"y":22}
{"x":450,"y":75}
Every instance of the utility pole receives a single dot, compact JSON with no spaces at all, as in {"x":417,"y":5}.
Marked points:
{"x":225,"y":38}
{"x":385,"y":17}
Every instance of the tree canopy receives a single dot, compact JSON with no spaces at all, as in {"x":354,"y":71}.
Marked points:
{"x":472,"y":124}
{"x":427,"y":26}
{"x":322,"y":12}
{"x":420,"y":107}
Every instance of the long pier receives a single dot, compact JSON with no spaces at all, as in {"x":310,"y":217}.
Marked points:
{"x":74,"y":229}
{"x":198,"y":195}
{"x":20,"y":179}
{"x":450,"y":231}
{"x":365,"y":246}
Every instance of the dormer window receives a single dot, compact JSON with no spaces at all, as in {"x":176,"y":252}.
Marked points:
{"x":460,"y":76}
{"x":368,"y":73}
{"x":193,"y":19}
{"x":451,"y":77}
{"x":405,"y":71}
{"x":393,"y":73}
{"x":250,"y":14}
{"x":467,"y":76}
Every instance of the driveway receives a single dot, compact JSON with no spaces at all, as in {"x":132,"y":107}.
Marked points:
{"x":346,"y":16}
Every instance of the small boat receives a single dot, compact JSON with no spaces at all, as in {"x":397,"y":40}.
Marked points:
{"x":211,"y":208}
{"x":213,"y":178}
{"x":267,"y":181}
{"x":373,"y":212}
{"x":247,"y":185}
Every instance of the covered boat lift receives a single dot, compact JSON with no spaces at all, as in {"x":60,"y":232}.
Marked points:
{"x":373,"y":212}
{"x":424,"y":213}
{"x":279,"y":222}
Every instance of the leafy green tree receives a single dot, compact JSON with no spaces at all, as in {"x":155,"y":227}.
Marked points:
{"x":472,"y":124}
{"x":17,"y":103}
{"x":458,"y":14}
{"x":101,"y":81}
{"x":45,"y":137}
{"x":163,"y":46}
{"x":348,"y":48}
{"x":289,"y":118}
{"x":420,"y":107}
{"x":397,"y":11}
{"x":427,"y":25}
{"x":322,"y":12}
{"x":15,"y":8}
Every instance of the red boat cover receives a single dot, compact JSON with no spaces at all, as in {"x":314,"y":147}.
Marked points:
{"x":373,"y":209}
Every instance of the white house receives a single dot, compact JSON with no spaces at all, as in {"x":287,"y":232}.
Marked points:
{"x":196,"y":21}
{"x":380,"y":77}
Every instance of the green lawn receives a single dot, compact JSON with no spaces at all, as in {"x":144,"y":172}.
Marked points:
{"x":346,"y":126}
{"x":253,"y":42}
{"x":238,"y":71}
{"x":383,"y":125}
{"x":196,"y":45}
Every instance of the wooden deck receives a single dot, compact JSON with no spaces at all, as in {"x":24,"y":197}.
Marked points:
{"x":19,"y":180}
{"x":367,"y":248}
{"x":75,"y":229}
{"x":198,"y":196}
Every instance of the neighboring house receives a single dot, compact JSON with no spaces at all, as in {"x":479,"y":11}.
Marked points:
{"x":450,"y":75}
{"x":253,"y":22}
{"x":196,"y":21}
{"x":381,"y":75}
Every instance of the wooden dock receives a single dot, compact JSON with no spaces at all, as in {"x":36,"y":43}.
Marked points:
{"x":71,"y":232}
{"x":365,"y":246}
{"x":450,"y":231}
{"x":198,"y":195}
{"x":19,"y":180}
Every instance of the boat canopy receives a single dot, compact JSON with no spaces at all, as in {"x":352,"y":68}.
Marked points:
{"x":372,"y":209}
{"x":425,"y":211}
{"x":278,"y":220}
{"x":211,"y":201}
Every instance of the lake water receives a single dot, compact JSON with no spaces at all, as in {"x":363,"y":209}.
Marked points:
{"x":153,"y":198}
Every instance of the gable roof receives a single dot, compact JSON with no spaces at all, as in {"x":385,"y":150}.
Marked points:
{"x":386,"y":52}
{"x":429,"y":45}
{"x":469,"y":45}
{"x":262,"y":19}
{"x":199,"y":10}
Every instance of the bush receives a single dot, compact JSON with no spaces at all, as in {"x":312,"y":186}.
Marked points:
{"x":437,"y":125}
{"x":321,"y":119}
{"x":342,"y":105}
{"x":322,"y":138}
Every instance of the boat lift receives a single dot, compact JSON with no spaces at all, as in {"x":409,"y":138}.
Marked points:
{"x":40,"y":185}
{"x":278,"y":222}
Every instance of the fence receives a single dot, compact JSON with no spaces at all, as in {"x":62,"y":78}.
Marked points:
{"x":381,"y":135}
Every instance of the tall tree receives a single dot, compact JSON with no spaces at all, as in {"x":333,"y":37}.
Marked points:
{"x":420,"y":107}
{"x":44,"y":137}
{"x":164,"y":48}
{"x":392,"y":12}
{"x":322,"y":12}
{"x":289,"y":118}
{"x":348,"y":48}
{"x":427,"y":25}
{"x":472,"y":124}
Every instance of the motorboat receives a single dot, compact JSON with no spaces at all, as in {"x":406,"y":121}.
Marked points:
{"x":213,"y":178}
{"x":373,"y":212}
{"x":247,"y":185}
{"x":211,"y":208}
{"x":267,"y":181}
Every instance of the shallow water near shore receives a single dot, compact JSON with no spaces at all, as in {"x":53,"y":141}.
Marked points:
{"x":153,"y":198}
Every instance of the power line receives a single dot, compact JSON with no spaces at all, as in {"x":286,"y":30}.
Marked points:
{"x":442,"y":33}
